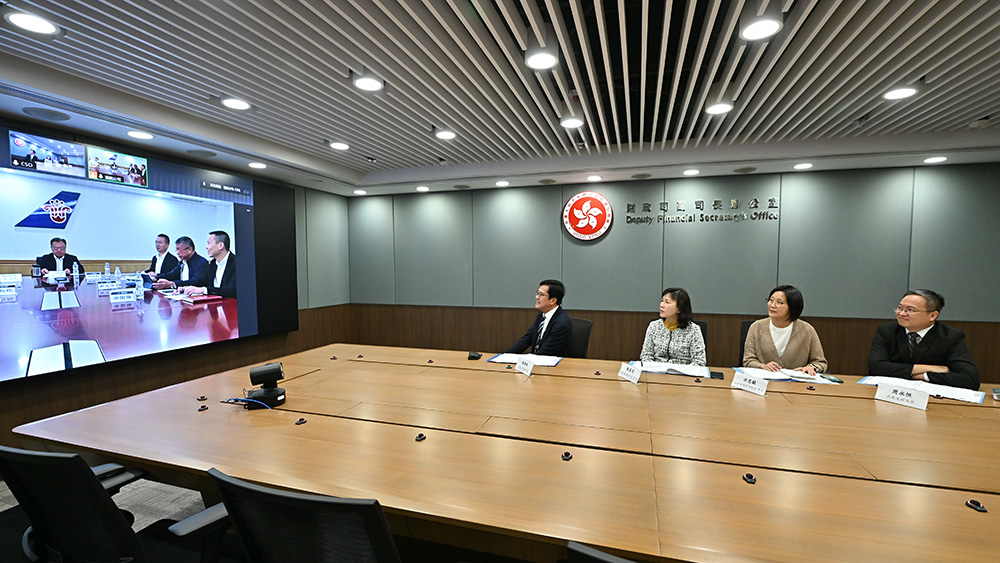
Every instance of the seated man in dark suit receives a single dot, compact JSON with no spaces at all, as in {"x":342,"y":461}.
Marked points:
{"x":219,"y":277}
{"x":916,"y":347}
{"x":191,"y":263}
{"x":163,"y":261}
{"x":552,"y":332}
{"x":58,"y":260}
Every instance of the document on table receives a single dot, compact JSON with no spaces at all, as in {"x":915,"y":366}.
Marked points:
{"x":933,"y":389}
{"x":785,"y":375}
{"x":672,"y":368}
{"x":547,"y":361}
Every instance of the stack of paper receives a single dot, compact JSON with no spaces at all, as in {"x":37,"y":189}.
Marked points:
{"x":932,"y":389}
{"x":547,"y":361}
{"x":673,"y":369}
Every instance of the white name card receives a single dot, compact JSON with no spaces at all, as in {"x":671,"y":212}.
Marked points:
{"x":119,"y":307}
{"x":524,"y":366}
{"x":913,"y":398}
{"x":92,"y":277}
{"x":10,"y":278}
{"x":751,"y":383}
{"x":8,"y":291}
{"x":630,"y":373}
{"x":122,"y":296}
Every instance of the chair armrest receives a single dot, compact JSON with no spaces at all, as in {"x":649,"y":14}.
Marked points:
{"x":118,"y":480}
{"x":207,"y":520}
{"x":106,"y":470}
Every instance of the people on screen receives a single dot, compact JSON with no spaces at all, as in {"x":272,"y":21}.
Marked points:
{"x":782,"y":340}
{"x":674,"y":337}
{"x":163,"y":261}
{"x":58,"y":260}
{"x":219,"y":277}
{"x":916,"y":346}
{"x":190,"y":264}
{"x":552,"y":332}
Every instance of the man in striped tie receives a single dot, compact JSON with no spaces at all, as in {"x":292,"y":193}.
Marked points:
{"x":552,"y":332}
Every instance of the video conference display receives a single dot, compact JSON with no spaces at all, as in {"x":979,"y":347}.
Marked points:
{"x":80,"y":256}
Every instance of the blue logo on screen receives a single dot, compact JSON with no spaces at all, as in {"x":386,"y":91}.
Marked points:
{"x":54,"y":213}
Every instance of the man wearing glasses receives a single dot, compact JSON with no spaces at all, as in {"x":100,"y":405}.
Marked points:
{"x":551,"y":334}
{"x":916,"y":347}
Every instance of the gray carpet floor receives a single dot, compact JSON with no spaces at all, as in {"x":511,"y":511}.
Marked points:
{"x":149,"y":501}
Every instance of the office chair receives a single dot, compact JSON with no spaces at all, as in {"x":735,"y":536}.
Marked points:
{"x":581,"y":337}
{"x":744,"y":329}
{"x":579,"y":553}
{"x":286,"y":527}
{"x":74,"y":519}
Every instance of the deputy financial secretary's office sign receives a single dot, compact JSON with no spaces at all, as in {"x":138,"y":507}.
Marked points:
{"x":587,"y":215}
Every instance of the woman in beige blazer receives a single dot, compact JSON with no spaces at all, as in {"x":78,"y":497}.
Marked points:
{"x":783,"y":340}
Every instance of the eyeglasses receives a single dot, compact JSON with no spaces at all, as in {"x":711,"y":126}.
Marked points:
{"x":909,"y":310}
{"x":540,"y":294}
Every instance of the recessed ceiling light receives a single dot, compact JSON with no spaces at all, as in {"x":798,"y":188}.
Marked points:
{"x":31,"y":22}
{"x":445,"y":134}
{"x":803,"y":166}
{"x":336,"y":145}
{"x":754,"y":26}
{"x":503,"y":184}
{"x":571,"y":122}
{"x":538,"y":57}
{"x":140,"y":135}
{"x":540,"y":60}
{"x":692,"y":172}
{"x":900,"y":93}
{"x":719,"y":108}
{"x":360,"y":192}
{"x":760,"y":29}
{"x":935,"y":159}
{"x":371,"y":159}
{"x":594,"y":178}
{"x":235,"y":103}
{"x":257,"y":165}
{"x":423,"y":189}
{"x":367,"y":81}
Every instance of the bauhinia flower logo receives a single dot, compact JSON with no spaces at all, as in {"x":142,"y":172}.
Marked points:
{"x":57,"y":210}
{"x":587,"y":215}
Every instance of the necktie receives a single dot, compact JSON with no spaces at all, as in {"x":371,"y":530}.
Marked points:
{"x":184,"y":272}
{"x":538,"y":337}
{"x":914,"y":340}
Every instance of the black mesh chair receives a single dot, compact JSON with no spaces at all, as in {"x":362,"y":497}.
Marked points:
{"x":579,"y":553}
{"x":74,"y":519}
{"x":704,"y":331}
{"x":285,"y":527}
{"x":744,"y":329}
{"x":581,"y":337}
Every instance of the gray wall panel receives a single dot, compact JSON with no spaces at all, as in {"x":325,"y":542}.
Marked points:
{"x":327,"y":253}
{"x":621,"y":270}
{"x":956,"y":237}
{"x":372,"y":263}
{"x":845,"y":240}
{"x":301,"y":248}
{"x":726,"y":266}
{"x":516,"y":237}
{"x":433,"y":249}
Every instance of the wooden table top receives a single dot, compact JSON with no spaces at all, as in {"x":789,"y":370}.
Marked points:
{"x":656,"y":468}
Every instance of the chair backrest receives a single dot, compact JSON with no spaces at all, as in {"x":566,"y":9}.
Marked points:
{"x":704,"y":331}
{"x":581,"y":337}
{"x":744,"y":329}
{"x":579,"y":553}
{"x":71,"y":513}
{"x":287,"y":527}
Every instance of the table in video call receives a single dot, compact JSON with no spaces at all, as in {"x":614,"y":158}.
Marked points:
{"x":41,"y":316}
{"x":656,"y":468}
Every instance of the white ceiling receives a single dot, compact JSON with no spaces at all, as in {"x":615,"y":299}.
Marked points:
{"x":640,"y":69}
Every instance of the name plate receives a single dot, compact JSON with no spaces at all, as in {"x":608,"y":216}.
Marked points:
{"x":119,"y":307}
{"x":8,"y":291}
{"x":122,"y":296}
{"x":630,"y":373}
{"x":92,"y":277}
{"x":913,"y":398}
{"x":10,"y":278}
{"x":751,"y":383}
{"x":524,"y":366}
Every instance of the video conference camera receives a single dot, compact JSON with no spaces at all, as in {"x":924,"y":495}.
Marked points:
{"x":269,"y":394}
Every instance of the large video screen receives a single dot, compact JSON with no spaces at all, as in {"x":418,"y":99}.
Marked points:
{"x":34,"y":152}
{"x":73,"y":250}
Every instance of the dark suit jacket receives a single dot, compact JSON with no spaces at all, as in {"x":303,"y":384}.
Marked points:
{"x":195,"y":263}
{"x":557,"y":340}
{"x":943,"y":346}
{"x":48,"y":262}
{"x":206,"y":278}
{"x":169,"y":263}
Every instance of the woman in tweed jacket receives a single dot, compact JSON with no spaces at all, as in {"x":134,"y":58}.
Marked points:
{"x":674,"y":337}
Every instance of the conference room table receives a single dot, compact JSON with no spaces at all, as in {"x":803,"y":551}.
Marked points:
{"x":655,"y":470}
{"x":121,"y":330}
